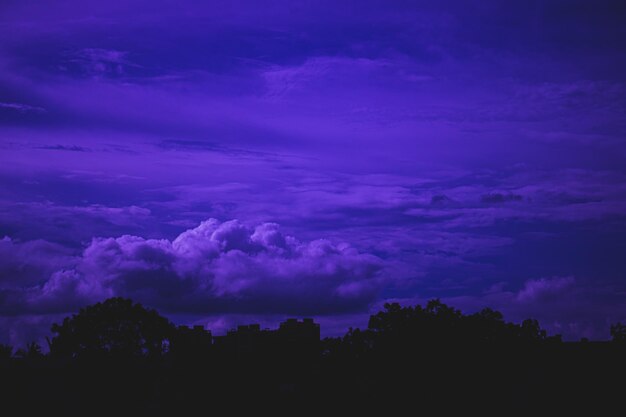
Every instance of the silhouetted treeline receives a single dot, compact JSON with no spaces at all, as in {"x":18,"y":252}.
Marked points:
{"x":117,"y":357}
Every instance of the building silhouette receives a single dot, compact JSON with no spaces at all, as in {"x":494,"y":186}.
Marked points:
{"x":293,"y":339}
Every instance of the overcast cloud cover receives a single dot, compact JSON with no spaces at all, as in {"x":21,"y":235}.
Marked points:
{"x":249,"y":161}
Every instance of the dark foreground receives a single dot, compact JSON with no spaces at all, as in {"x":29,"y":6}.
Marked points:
{"x":119,"y":359}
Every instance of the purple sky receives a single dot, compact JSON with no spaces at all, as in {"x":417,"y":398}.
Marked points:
{"x":229,"y":162}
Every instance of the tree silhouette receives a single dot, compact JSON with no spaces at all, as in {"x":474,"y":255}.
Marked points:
{"x":430,"y":355}
{"x":32,"y":351}
{"x":440,"y":324}
{"x":6,"y":352}
{"x":531,"y":330}
{"x":114,"y":327}
{"x":618,"y":332}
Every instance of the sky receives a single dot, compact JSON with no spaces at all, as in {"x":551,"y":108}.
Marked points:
{"x":229,"y":162}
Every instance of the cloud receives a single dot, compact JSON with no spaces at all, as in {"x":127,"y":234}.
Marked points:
{"x":472,"y":142}
{"x":318,"y":72}
{"x":63,"y":223}
{"x":22,"y":108}
{"x":98,"y":62}
{"x":71,"y":148}
{"x":544,"y":289}
{"x":217,"y":267}
{"x":497,"y":198}
{"x":28,"y":263}
{"x":571,"y":306}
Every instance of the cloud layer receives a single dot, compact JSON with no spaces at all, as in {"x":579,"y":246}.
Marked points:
{"x":214,"y":268}
{"x":470,"y":144}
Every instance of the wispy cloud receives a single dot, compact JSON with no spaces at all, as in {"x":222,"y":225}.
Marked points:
{"x":22,"y":108}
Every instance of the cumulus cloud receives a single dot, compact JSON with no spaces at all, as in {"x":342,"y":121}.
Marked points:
{"x":217,"y":267}
{"x":28,"y":263}
{"x":544,"y":289}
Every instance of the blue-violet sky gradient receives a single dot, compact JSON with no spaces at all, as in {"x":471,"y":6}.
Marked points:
{"x":244,"y":161}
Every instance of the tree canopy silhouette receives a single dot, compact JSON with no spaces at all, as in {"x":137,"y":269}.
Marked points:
{"x":439,"y":323}
{"x":430,"y":354}
{"x":618,"y":332}
{"x":116,"y":327}
{"x":407,"y":334}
